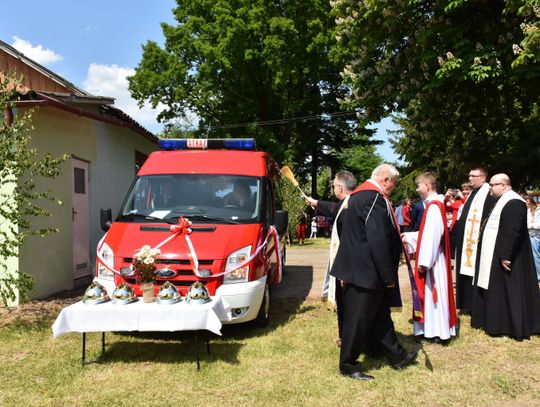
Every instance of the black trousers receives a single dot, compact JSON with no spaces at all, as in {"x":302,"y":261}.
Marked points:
{"x":367,"y":328}
{"x":464,"y":293}
{"x":339,"y":306}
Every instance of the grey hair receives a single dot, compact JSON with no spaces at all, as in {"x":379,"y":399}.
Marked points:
{"x":347,"y":179}
{"x":385,"y":170}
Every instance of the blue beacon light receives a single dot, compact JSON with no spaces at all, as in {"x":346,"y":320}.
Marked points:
{"x":201,"y":144}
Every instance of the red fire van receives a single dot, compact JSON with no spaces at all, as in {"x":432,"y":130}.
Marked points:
{"x":230,"y":194}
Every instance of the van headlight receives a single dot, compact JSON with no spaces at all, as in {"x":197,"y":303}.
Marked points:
{"x":240,"y":275}
{"x":108,"y":256}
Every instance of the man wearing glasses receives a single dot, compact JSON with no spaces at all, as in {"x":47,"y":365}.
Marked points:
{"x":343,"y":184}
{"x":505,"y":284}
{"x":467,"y":232}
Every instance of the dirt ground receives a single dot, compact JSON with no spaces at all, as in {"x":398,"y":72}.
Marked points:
{"x":304,"y":273}
{"x":305,"y":270}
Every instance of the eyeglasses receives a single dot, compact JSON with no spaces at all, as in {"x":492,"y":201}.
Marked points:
{"x":475,"y":176}
{"x":496,"y":183}
{"x":336,"y":185}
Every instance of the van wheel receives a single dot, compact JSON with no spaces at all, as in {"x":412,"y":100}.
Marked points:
{"x":264,"y":312}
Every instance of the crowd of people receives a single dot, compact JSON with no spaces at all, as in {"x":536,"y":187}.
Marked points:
{"x":485,"y":234}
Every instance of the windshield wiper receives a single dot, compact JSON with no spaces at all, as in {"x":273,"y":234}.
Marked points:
{"x":210,"y":218}
{"x":149,"y":217}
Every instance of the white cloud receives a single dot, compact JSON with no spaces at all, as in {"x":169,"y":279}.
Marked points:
{"x":38,"y":53}
{"x":111,"y":81}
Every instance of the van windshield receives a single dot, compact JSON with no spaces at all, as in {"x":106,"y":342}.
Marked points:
{"x":199,"y":197}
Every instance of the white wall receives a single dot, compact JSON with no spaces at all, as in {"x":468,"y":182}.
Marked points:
{"x":110,"y":152}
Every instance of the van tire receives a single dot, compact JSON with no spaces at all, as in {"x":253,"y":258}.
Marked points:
{"x":263,"y":316}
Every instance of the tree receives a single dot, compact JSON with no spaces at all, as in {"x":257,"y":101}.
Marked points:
{"x":462,"y":75}
{"x":19,"y":198}
{"x":294,"y":203}
{"x":259,"y":69}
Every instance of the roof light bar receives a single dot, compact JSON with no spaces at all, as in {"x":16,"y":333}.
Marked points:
{"x":212,"y":143}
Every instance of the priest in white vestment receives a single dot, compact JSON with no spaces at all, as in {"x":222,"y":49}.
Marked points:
{"x":433,"y":272}
{"x":343,"y":184}
{"x":507,"y":300}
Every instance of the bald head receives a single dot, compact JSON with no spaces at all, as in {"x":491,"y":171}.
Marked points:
{"x":499,"y":185}
{"x":386,"y":176}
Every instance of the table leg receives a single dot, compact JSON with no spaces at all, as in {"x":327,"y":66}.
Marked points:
{"x":102,"y":343}
{"x":83,"y":347}
{"x":197,"y":349}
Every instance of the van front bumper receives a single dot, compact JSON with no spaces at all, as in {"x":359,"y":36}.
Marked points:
{"x":245,"y":300}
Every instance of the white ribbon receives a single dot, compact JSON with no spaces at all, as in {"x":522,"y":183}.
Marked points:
{"x":192,"y":255}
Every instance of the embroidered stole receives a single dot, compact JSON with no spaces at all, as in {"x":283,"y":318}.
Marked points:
{"x":490,"y":237}
{"x":472,"y":232}
{"x":334,"y":246}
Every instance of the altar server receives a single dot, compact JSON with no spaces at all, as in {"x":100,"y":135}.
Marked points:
{"x":433,"y":270}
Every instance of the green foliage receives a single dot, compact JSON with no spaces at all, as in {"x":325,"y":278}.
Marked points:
{"x":462,"y":75}
{"x":360,"y":159}
{"x":406,"y":187}
{"x":528,"y":50}
{"x":20,"y":201}
{"x":293,"y":202}
{"x":248,"y":68}
{"x":324,"y":182}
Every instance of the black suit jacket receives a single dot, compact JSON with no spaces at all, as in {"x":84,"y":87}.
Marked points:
{"x":416,"y":215}
{"x":328,"y":208}
{"x":370,"y":245}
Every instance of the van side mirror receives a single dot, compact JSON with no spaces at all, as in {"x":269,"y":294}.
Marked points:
{"x":105,"y":219}
{"x":282,"y":221}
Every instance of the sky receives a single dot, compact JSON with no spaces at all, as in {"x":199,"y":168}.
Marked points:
{"x":97,"y":44}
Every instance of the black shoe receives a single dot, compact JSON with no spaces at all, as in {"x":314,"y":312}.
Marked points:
{"x":407,"y":360}
{"x":436,"y":340}
{"x":358,"y":375}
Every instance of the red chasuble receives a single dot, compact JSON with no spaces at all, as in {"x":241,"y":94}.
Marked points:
{"x":420,"y":279}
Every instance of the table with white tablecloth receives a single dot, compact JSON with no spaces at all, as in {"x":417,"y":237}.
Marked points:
{"x":141,"y":317}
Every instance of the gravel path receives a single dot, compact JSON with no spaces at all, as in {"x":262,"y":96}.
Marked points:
{"x":304,"y":273}
{"x":305,"y":270}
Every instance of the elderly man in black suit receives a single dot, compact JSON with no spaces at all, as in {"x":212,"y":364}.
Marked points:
{"x":367,"y":262}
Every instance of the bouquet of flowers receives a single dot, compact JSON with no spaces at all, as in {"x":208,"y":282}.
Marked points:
{"x":144,"y":264}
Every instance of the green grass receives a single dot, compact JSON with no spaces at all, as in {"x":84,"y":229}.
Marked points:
{"x":292,"y":362}
{"x":318,"y":243}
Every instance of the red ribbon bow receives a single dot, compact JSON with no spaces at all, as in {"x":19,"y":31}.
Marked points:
{"x":182,"y":227}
